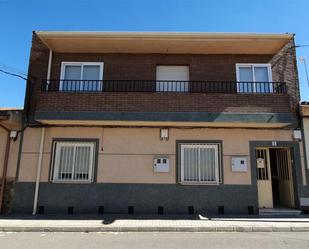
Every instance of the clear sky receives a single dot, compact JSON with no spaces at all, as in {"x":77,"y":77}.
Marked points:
{"x":18,"y":18}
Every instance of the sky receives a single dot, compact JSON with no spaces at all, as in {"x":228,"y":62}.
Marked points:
{"x":18,"y":18}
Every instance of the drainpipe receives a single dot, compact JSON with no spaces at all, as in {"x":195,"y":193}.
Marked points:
{"x":38,"y":173}
{"x":50,"y":57}
{"x":5,"y":167}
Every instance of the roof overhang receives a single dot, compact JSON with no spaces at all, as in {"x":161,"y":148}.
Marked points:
{"x":163,"y":42}
{"x":168,"y":119}
{"x":10,"y":119}
{"x":304,"y":109}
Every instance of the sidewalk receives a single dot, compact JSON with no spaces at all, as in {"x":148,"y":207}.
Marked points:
{"x":151,"y":224}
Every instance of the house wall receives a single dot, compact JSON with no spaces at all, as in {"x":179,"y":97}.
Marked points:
{"x":125,"y":174}
{"x":143,"y":67}
{"x":126,"y":154}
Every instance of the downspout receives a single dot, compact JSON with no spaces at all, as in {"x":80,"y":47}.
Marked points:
{"x":50,"y":57}
{"x":38,"y":173}
{"x":5,"y":167}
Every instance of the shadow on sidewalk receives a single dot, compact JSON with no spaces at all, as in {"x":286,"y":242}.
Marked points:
{"x":108,"y":219}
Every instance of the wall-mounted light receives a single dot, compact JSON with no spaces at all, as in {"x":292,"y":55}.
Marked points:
{"x":164,"y":134}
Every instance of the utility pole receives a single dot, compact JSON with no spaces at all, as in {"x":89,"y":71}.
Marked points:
{"x":305,"y":64}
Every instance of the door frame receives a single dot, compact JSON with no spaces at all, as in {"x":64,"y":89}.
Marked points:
{"x":295,"y":162}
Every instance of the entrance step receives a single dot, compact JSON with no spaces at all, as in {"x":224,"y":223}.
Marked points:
{"x":279,"y":212}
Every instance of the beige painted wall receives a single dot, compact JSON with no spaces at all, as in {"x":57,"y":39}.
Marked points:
{"x":306,"y":136}
{"x":126,"y":154}
{"x":13,"y":155}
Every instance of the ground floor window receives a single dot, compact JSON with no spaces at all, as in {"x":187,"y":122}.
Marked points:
{"x":200,"y":163}
{"x":73,"y":161}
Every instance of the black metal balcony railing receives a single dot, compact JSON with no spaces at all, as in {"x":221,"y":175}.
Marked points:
{"x":163,"y":86}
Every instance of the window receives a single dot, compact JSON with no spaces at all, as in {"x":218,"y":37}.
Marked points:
{"x":254,"y":78}
{"x":172,"y":79}
{"x":73,"y":161}
{"x":199,"y":163}
{"x":81,"y":76}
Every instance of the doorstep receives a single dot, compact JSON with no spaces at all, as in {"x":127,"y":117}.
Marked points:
{"x":132,"y":223}
{"x":279,"y":212}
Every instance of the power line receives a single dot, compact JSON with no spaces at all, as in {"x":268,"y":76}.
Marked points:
{"x":13,"y":74}
{"x":300,"y":46}
{"x":12,"y":69}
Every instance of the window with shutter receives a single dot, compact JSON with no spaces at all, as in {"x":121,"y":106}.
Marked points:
{"x":172,"y":79}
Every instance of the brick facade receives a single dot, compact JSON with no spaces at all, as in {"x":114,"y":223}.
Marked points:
{"x":143,"y":67}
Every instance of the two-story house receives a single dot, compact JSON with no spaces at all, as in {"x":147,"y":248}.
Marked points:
{"x":141,"y":122}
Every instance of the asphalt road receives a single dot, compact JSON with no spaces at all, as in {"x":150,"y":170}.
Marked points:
{"x":153,"y":240}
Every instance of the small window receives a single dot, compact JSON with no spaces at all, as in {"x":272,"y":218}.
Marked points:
{"x":73,"y":161}
{"x":200,"y":163}
{"x":254,"y":78}
{"x":81,"y":76}
{"x":172,"y":79}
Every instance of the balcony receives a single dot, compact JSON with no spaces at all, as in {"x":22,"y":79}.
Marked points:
{"x":113,"y":101}
{"x":153,"y":86}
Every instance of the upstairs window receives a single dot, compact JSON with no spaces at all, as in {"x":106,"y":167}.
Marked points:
{"x":172,"y":79}
{"x":81,"y":76}
{"x":254,"y":78}
{"x":73,"y":161}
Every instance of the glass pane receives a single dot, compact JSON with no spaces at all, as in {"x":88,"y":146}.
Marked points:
{"x":65,"y":163}
{"x":191,"y":171}
{"x":82,"y":163}
{"x":91,"y":77}
{"x":72,"y":72}
{"x":208,"y":165}
{"x":91,"y":73}
{"x":262,"y":79}
{"x":245,"y":78}
{"x":72,"y":78}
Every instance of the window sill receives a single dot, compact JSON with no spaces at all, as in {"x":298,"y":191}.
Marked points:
{"x":72,"y":182}
{"x":201,"y":183}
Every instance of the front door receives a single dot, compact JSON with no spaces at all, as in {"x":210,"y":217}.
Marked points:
{"x":264,"y":178}
{"x":285,"y":182}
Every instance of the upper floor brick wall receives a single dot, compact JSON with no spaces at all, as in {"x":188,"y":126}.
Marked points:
{"x":143,"y":67}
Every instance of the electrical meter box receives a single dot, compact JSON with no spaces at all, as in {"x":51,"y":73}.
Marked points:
{"x":161,"y":164}
{"x":260,"y":163}
{"x":239,"y":164}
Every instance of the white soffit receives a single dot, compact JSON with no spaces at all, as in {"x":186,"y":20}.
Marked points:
{"x":160,"y":42}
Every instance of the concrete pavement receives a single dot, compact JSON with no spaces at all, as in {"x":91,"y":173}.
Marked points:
{"x":153,"y":224}
{"x":153,"y":240}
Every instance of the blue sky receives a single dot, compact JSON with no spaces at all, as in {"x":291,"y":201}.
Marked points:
{"x":19,"y":17}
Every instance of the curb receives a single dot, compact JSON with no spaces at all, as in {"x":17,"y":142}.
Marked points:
{"x":158,"y":229}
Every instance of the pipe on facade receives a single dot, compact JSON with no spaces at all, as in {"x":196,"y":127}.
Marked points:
{"x":38,"y":174}
{"x":4,"y":171}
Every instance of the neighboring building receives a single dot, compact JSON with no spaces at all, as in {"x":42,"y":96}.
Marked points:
{"x":10,"y":125}
{"x":160,"y":123}
{"x":304,"y":114}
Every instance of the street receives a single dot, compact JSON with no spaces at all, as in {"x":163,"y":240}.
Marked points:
{"x":153,"y":240}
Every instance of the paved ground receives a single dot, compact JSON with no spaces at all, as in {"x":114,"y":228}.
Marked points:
{"x":153,"y":224}
{"x":153,"y":240}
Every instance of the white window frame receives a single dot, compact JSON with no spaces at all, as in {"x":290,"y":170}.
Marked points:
{"x":253,"y":65}
{"x":56,"y":156}
{"x":82,"y":64}
{"x":217,"y":147}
